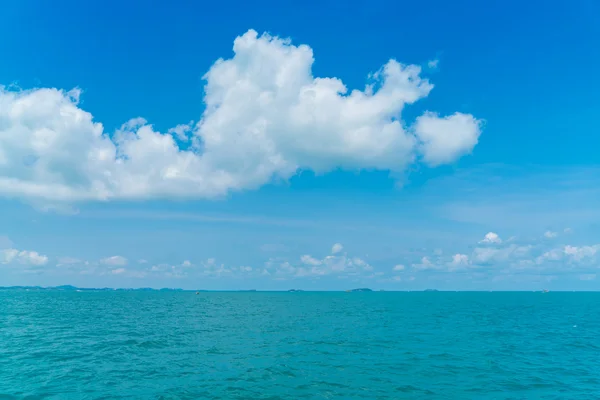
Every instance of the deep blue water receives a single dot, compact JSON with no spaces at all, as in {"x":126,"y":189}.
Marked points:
{"x":157,"y":345}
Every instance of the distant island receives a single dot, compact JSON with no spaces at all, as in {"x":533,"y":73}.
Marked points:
{"x":431,"y":290}
{"x":71,"y":288}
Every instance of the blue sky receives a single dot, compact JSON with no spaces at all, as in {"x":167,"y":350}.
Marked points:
{"x":453,"y":145}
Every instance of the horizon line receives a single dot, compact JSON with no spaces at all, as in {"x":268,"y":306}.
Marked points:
{"x":363,"y":289}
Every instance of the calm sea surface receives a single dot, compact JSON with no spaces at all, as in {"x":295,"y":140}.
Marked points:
{"x":161,"y":345}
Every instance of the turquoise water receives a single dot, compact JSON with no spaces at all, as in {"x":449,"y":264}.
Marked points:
{"x":169,"y":345}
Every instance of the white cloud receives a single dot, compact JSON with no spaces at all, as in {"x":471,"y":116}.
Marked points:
{"x":444,"y":140}
{"x":186,"y":263}
{"x":485,"y":254}
{"x":433,"y":63}
{"x":211,"y":268}
{"x":33,"y":258}
{"x":501,"y":254}
{"x":360,"y":263}
{"x":456,"y":263}
{"x":517,"y":258}
{"x":491,"y":237}
{"x":550,"y":255}
{"x":492,"y":255}
{"x":24,"y":257}
{"x":398,"y":267}
{"x":336,"y":248}
{"x":114,"y":260}
{"x":266,"y":117}
{"x":582,"y":252}
{"x":312,"y":267}
{"x":587,"y":277}
{"x":459,"y":260}
{"x":309,"y":260}
{"x":118,"y":271}
{"x":550,"y":234}
{"x":425,"y":264}
{"x":169,"y":271}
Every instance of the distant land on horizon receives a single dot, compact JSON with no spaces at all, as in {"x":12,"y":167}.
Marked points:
{"x":147,"y":289}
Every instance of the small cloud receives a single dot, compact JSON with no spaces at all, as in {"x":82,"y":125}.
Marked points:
{"x":142,"y":261}
{"x":398,"y":267}
{"x":186,"y":263}
{"x":34,"y":258}
{"x":433,"y":64}
{"x":568,"y":231}
{"x":24,"y":257}
{"x":114,"y":260}
{"x":336,"y":248}
{"x":339,"y":265}
{"x":425,"y":264}
{"x":581,"y":253}
{"x":396,"y":278}
{"x":491,"y":237}
{"x":459,"y":259}
{"x":309,"y":260}
{"x":550,"y":255}
{"x":360,"y":264}
{"x":550,"y":234}
{"x":118,"y":271}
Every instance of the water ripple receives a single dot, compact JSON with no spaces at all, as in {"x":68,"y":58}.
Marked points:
{"x":162,"y":345}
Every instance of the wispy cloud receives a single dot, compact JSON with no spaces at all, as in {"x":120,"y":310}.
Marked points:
{"x":114,"y":260}
{"x":433,"y":64}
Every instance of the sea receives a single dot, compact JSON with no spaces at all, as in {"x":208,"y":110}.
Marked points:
{"x":299,"y":345}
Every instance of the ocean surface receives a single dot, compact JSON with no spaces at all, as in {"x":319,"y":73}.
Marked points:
{"x":179,"y":345}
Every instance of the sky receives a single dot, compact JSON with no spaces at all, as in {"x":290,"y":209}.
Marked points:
{"x":326,"y":145}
